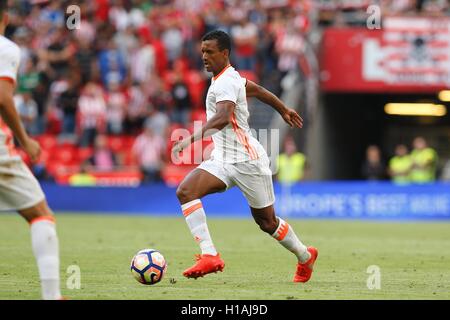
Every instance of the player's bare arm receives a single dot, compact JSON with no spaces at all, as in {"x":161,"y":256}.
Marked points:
{"x":289,"y":115}
{"x":219,"y":121}
{"x":9,"y":114}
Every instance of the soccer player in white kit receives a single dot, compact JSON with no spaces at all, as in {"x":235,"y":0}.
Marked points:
{"x":19,"y":189}
{"x":238,"y":160}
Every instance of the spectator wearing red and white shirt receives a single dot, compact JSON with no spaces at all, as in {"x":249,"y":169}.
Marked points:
{"x":289,"y":46}
{"x":91,"y":113}
{"x":143,"y":60}
{"x":172,"y":38}
{"x":116,"y":108}
{"x":245,"y":38}
{"x":149,"y":150}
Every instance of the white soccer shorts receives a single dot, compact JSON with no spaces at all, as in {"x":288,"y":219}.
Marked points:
{"x":19,"y":189}
{"x":253,"y":178}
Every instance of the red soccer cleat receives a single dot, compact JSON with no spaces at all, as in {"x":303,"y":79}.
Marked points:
{"x":205,"y":264}
{"x":304,"y":270}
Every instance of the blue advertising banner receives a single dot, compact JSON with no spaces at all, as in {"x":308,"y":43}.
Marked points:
{"x":347,"y":200}
{"x":365,"y":200}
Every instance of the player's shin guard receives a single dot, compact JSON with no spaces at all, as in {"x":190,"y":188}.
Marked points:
{"x":196,"y":221}
{"x":46,"y":250}
{"x":288,"y":239}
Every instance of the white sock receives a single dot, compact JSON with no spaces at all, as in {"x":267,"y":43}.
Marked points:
{"x":287,"y":238}
{"x":196,"y":221}
{"x":46,"y":251}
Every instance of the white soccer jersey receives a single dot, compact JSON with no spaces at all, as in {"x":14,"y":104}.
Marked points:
{"x":9,"y":64}
{"x":234,"y":143}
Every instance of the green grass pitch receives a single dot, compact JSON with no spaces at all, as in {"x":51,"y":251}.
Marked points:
{"x":413,"y":259}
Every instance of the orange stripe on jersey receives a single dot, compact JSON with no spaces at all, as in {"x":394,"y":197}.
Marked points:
{"x":236,"y":129}
{"x":251,"y":149}
{"x":44,"y":218}
{"x":220,"y":73}
{"x":282,"y":231}
{"x":191,"y":209}
{"x":9,"y":79}
{"x":243,"y":139}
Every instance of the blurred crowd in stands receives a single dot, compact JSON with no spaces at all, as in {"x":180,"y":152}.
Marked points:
{"x":134,"y":67}
{"x":133,"y":71}
{"x":354,"y":12}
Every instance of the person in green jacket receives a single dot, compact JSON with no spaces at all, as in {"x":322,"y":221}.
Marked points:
{"x":291,"y":164}
{"x":83,"y":178}
{"x":400,"y":165}
{"x":424,"y":161}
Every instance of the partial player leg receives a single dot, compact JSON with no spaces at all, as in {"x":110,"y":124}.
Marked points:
{"x":254,"y":179}
{"x":45,"y":247}
{"x":194,"y":187}
{"x":283,"y":232}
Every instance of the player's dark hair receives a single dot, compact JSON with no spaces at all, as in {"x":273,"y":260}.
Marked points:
{"x":3,"y":6}
{"x":223,"y":39}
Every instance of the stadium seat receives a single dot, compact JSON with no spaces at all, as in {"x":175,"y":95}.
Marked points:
{"x":117,"y":143}
{"x":45,"y":156}
{"x":54,"y":123}
{"x":129,"y":142}
{"x":63,"y":172}
{"x":65,"y":154}
{"x":56,"y":168}
{"x":84,"y":153}
{"x":129,"y":159}
{"x":173,"y":174}
{"x":47,"y":141}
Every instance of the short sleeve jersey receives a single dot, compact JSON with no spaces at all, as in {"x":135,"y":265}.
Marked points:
{"x":234,"y":143}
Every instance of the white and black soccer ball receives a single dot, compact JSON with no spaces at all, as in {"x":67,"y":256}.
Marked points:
{"x":148,"y":266}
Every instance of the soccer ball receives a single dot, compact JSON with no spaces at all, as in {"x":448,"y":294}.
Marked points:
{"x":148,"y":266}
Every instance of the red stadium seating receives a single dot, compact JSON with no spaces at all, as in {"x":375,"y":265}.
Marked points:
{"x":116,"y":143}
{"x":47,"y":141}
{"x":129,"y":142}
{"x":173,"y":175}
{"x":64,"y":154}
{"x":59,"y":169}
{"x":54,"y":123}
{"x":129,"y":159}
{"x":85,"y":153}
